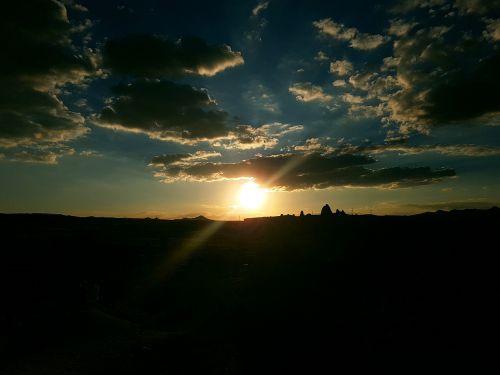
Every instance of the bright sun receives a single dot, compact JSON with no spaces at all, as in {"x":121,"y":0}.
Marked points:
{"x":251,"y":195}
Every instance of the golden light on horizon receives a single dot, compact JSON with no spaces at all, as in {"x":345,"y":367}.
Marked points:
{"x":251,"y":196}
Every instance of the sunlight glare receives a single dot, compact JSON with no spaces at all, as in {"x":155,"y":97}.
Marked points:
{"x":251,"y":195}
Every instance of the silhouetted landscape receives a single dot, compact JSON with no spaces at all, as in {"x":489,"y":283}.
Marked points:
{"x":279,"y":295}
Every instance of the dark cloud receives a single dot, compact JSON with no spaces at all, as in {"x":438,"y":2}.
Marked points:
{"x":399,"y":146}
{"x":465,"y":95}
{"x":156,"y":57}
{"x":443,"y":80}
{"x":38,"y":58}
{"x":164,"y":110}
{"x":481,"y":7}
{"x":300,"y":171}
{"x":439,"y":74}
{"x":180,"y":113}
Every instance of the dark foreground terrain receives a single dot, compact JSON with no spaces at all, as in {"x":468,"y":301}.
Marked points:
{"x":283,"y":295}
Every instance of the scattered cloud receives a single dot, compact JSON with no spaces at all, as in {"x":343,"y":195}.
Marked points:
{"x":246,"y":137}
{"x":492,"y":31}
{"x":341,"y":67}
{"x":480,"y":7}
{"x":367,"y":41}
{"x":151,"y":56}
{"x":399,"y":27}
{"x":262,"y":98}
{"x":89,"y":153}
{"x":260,"y":7}
{"x":307,"y":92}
{"x":339,"y":83}
{"x":321,"y":56}
{"x":356,"y":39}
{"x":352,"y":99}
{"x":405,"y":6}
{"x":38,"y":155}
{"x":183,"y":159}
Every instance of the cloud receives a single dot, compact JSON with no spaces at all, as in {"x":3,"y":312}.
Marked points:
{"x":492,"y":31}
{"x":448,"y":93}
{"x":314,"y":144}
{"x":89,"y":153}
{"x":180,"y":113}
{"x":405,"y":6}
{"x":321,"y":56}
{"x":448,"y":150}
{"x":29,"y":116}
{"x":434,"y":77}
{"x":399,"y":27}
{"x":303,"y":171}
{"x":341,"y":67}
{"x":365,"y":111}
{"x":401,"y":147}
{"x":246,"y":137}
{"x":150,"y":56}
{"x":40,"y":155}
{"x":339,"y":83}
{"x":261,"y":98}
{"x":477,"y":6}
{"x":352,"y":99}
{"x":39,"y":57}
{"x":366,"y":41}
{"x":457,"y":205}
{"x":356,"y":39}
{"x":260,"y":7}
{"x":163,"y":110}
{"x":362,"y":80}
{"x":307,"y":92}
{"x":183,"y":159}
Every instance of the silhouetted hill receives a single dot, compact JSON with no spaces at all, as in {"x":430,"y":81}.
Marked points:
{"x":268,"y":295}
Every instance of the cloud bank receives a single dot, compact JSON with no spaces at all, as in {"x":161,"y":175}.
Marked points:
{"x":299,"y":171}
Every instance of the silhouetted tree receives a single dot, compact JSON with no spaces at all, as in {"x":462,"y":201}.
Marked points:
{"x":326,"y":210}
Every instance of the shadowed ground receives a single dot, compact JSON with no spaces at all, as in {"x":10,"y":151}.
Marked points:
{"x":127,"y":296}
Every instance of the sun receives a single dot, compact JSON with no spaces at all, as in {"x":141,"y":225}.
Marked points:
{"x":252,"y":196}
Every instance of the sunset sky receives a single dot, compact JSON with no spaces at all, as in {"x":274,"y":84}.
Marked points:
{"x":166,"y":109}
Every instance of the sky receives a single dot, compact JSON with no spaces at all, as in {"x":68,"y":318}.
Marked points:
{"x":167,"y":108}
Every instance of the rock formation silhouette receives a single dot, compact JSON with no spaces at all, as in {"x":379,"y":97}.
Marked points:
{"x":326,"y":210}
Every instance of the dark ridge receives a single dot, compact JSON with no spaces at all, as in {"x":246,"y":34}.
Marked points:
{"x":286,"y":294}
